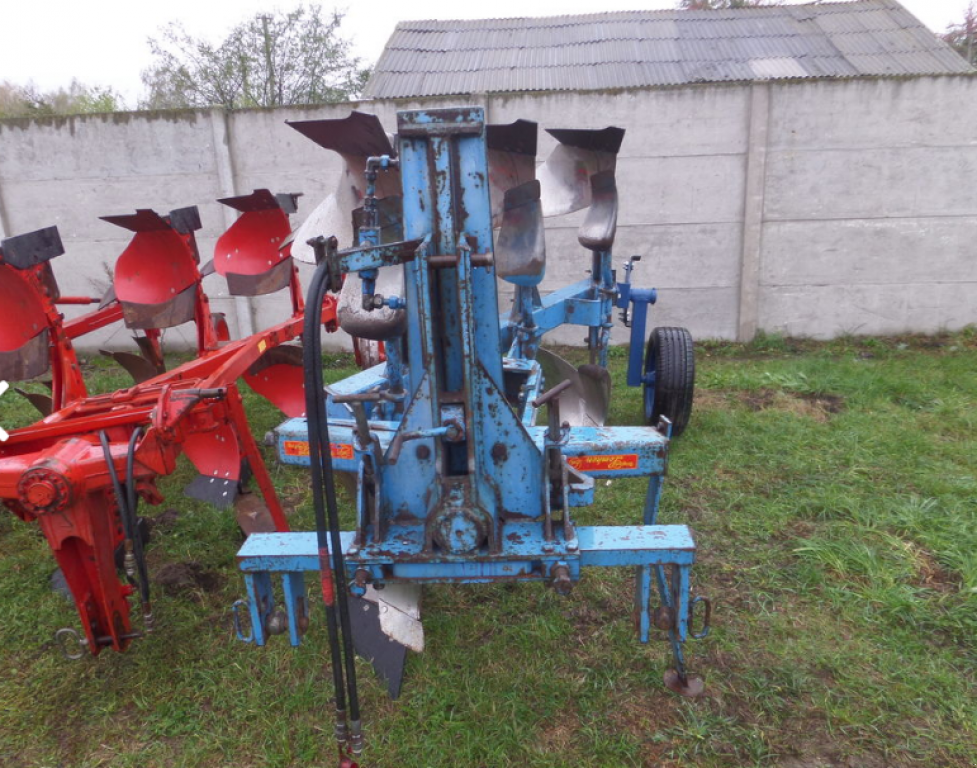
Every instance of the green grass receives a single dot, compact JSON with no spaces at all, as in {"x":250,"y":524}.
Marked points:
{"x":833,"y":492}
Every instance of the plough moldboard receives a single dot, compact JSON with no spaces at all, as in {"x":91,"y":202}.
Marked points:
{"x":81,"y":470}
{"x":437,"y":438}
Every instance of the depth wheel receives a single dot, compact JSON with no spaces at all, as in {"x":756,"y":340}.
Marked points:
{"x":670,"y":364}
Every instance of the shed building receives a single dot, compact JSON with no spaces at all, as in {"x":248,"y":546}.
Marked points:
{"x":802,"y":169}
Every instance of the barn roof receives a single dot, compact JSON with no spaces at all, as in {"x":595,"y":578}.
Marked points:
{"x":867,"y":38}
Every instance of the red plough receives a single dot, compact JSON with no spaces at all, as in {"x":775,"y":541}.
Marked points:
{"x":81,"y":471}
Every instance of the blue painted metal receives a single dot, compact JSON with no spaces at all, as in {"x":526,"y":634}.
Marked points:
{"x":634,"y":303}
{"x":455,"y":483}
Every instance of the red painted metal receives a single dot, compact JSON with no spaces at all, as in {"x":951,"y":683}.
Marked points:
{"x":23,"y":338}
{"x":55,"y":472}
{"x":32,"y":330}
{"x":277,"y":376}
{"x":252,"y":245}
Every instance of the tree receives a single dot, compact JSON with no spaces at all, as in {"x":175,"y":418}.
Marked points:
{"x":29,"y":101}
{"x":961,"y":36}
{"x":296,"y":57}
{"x":720,"y":5}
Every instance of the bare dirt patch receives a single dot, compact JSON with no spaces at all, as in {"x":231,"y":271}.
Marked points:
{"x":929,"y":573}
{"x":165,"y":520}
{"x":188,"y":579}
{"x":820,"y":407}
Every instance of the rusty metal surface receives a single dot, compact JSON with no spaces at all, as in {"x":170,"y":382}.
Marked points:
{"x":519,"y":136}
{"x":606,"y":140}
{"x":143,"y":220}
{"x":43,"y":403}
{"x":599,"y":227}
{"x":136,"y":366}
{"x":359,"y":134}
{"x":252,"y":514}
{"x":167,"y":314}
{"x":27,"y":361}
{"x":185,"y":220}
{"x":565,"y":177}
{"x":520,"y":251}
{"x":273,"y":280}
{"x":33,"y":248}
{"x":690,"y":687}
{"x":378,"y":324}
{"x":259,"y":200}
{"x":390,"y":211}
{"x":511,"y":152}
{"x":588,"y":401}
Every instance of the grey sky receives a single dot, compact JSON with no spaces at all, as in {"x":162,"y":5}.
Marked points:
{"x":103,"y":42}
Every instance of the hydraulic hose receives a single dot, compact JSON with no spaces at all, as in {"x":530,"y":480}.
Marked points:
{"x":126,"y":503}
{"x":132,"y":506}
{"x":327,"y":515}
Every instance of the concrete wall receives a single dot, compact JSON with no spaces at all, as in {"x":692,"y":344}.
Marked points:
{"x":809,"y":208}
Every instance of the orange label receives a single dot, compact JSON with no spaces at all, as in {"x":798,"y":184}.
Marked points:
{"x":301,"y":448}
{"x":604,"y":463}
{"x":341,"y":450}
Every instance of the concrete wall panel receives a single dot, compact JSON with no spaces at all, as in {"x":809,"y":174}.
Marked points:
{"x":883,"y":182}
{"x":666,"y":123}
{"x":681,"y":190}
{"x":105,"y":146}
{"x":78,"y":204}
{"x":826,"y":311}
{"x":864,"y":114}
{"x":861,"y":251}
{"x":863,"y":208}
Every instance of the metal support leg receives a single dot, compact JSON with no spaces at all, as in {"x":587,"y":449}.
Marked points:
{"x":642,"y":596}
{"x":296,"y":605}
{"x":675,"y":598}
{"x":652,"y":498}
{"x":262,"y":601}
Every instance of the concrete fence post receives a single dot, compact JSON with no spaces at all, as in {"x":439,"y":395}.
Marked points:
{"x":756,"y":173}
{"x":4,"y":224}
{"x":243,"y":310}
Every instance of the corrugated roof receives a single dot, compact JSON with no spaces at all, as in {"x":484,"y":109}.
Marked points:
{"x":865,"y":38}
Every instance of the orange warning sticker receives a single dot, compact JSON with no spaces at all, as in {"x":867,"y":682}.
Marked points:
{"x":341,"y":450}
{"x":295,"y":448}
{"x":301,"y":448}
{"x":617,"y":463}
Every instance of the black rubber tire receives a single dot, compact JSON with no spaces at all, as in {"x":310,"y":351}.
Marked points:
{"x":671,"y":358}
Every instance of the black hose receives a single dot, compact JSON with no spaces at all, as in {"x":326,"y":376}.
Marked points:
{"x":324,"y":502}
{"x":335,"y":534}
{"x":120,"y":497}
{"x":132,"y":503}
{"x":124,"y":498}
